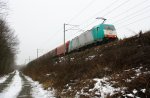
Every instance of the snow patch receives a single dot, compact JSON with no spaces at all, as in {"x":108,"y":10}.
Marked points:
{"x":61,"y":59}
{"x":134,"y":91}
{"x":143,"y":90}
{"x":38,"y":91}
{"x":101,"y":55}
{"x":3,"y":79}
{"x":130,"y":95}
{"x":71,"y":59}
{"x":48,"y":74}
{"x":14,"y":88}
{"x":128,"y":80}
{"x":103,"y":87}
{"x":90,"y":58}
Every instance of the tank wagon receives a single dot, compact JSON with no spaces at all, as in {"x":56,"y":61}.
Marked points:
{"x":98,"y":33}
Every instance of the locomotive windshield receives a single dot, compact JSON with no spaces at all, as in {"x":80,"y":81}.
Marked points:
{"x":107,"y":27}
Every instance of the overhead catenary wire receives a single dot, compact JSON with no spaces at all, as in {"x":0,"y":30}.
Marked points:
{"x":122,"y":4}
{"x":107,"y":12}
{"x":95,"y":15}
{"x":107,"y":7}
{"x":143,"y":18}
{"x":134,"y":13}
{"x":117,"y":7}
{"x":131,"y":8}
{"x":110,"y":11}
{"x":130,"y":18}
{"x":52,"y":36}
{"x":81,"y":11}
{"x":90,"y":3}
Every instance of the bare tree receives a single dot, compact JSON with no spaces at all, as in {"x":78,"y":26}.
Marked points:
{"x":8,"y":44}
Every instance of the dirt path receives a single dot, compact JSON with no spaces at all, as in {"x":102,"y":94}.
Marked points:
{"x":26,"y":88}
{"x":7,"y":82}
{"x":18,"y":85}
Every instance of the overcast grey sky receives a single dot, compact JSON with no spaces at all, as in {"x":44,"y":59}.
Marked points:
{"x":39,"y":23}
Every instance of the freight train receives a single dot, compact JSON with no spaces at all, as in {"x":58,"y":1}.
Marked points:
{"x":97,"y":34}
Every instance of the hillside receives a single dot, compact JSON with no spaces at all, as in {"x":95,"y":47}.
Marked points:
{"x":120,"y":68}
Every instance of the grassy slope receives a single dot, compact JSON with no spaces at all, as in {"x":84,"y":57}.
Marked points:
{"x":80,"y":68}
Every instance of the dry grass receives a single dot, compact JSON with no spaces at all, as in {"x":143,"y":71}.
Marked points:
{"x":109,"y":59}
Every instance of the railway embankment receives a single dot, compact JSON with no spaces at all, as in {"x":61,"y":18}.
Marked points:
{"x":119,"y":68}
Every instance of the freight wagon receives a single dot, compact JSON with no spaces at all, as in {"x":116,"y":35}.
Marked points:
{"x":98,"y":33}
{"x":61,"y":50}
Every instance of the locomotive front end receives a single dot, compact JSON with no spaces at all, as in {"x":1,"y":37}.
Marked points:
{"x":110,"y":32}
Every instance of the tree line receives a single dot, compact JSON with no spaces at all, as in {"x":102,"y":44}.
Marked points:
{"x":8,"y":43}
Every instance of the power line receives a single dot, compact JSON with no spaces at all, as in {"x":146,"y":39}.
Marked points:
{"x":107,"y":7}
{"x":117,"y":7}
{"x":54,"y":34}
{"x":135,"y":21}
{"x":79,"y":13}
{"x":90,"y":3}
{"x":135,"y":6}
{"x":138,"y":11}
{"x":131,"y":17}
{"x":99,"y":11}
{"x":111,"y":10}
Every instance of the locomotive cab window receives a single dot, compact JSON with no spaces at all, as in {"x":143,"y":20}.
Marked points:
{"x":110,"y":28}
{"x":97,"y":28}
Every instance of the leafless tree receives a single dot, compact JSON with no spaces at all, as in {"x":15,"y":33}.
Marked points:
{"x":8,"y":44}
